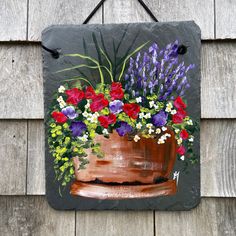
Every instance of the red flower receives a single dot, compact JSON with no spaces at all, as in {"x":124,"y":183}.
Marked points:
{"x":99,"y":102}
{"x":74,"y":96}
{"x":132,"y":110}
{"x":181,"y":150}
{"x":59,"y":117}
{"x":89,"y":93}
{"x":184,"y":134}
{"x":107,"y":120}
{"x":179,"y":116}
{"x":116,"y":91}
{"x":179,"y":104}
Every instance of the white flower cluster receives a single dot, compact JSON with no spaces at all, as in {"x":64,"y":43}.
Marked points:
{"x":145,"y":116}
{"x":61,"y":102}
{"x":163,"y":138}
{"x":84,"y":138}
{"x":152,"y":104}
{"x":179,"y":141}
{"x":139,"y":99}
{"x":87,"y":106}
{"x":105,"y":132}
{"x":150,"y":128}
{"x":61,"y":89}
{"x":189,"y":122}
{"x":93,"y":118}
{"x":169,"y":109}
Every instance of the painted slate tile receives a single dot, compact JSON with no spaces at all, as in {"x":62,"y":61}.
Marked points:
{"x":122,"y":112}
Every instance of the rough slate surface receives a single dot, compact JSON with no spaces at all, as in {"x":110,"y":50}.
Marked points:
{"x":69,"y":39}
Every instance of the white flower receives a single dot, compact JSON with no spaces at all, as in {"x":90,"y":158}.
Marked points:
{"x":61,"y":89}
{"x":182,"y":158}
{"x":179,"y":141}
{"x":191,"y":139}
{"x":148,"y":115}
{"x":164,"y":128}
{"x":141,"y":115}
{"x":84,"y":138}
{"x":190,"y":122}
{"x":173,"y":112}
{"x":85,"y":114}
{"x":168,"y":135}
{"x":93,"y":118}
{"x":139,"y":125}
{"x":169,"y":106}
{"x":62,"y":104}
{"x":105,"y":132}
{"x":87,"y":105}
{"x":160,"y":141}
{"x":139,"y":99}
{"x":96,"y":114}
{"x":163,"y":137}
{"x":156,"y":106}
{"x":149,"y":125}
{"x":136,"y":138}
{"x":150,"y":131}
{"x":151,"y":104}
{"x":177,"y":131}
{"x":60,"y":99}
{"x":158,"y":131}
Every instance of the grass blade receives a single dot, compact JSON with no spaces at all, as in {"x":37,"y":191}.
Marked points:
{"x":97,"y":48}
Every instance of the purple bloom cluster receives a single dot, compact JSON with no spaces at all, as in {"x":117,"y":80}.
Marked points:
{"x":157,"y":71}
{"x":116,"y":106}
{"x":160,"y":119}
{"x":77,"y":128}
{"x":69,"y":112}
{"x":124,"y":128}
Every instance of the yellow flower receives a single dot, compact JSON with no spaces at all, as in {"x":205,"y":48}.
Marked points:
{"x":92,"y":134}
{"x":67,"y":140}
{"x":59,"y":133}
{"x":65,"y":125}
{"x":54,"y":135}
{"x":58,"y":127}
{"x":53,"y":125}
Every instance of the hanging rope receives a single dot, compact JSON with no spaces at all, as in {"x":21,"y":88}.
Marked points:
{"x":54,"y":52}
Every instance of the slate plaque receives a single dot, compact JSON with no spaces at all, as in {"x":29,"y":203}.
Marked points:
{"x":122,"y":113}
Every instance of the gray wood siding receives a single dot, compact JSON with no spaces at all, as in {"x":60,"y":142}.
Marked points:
{"x":22,"y":212}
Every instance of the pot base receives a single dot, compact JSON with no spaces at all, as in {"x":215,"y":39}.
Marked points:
{"x":103,"y":191}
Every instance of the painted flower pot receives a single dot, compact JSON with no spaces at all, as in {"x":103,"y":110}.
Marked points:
{"x":129,"y":169}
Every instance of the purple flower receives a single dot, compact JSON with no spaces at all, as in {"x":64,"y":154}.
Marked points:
{"x":159,"y":119}
{"x":77,"y":128}
{"x":116,"y":106}
{"x":69,"y":112}
{"x":124,"y":128}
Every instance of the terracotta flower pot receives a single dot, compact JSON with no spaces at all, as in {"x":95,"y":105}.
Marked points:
{"x":128,"y":170}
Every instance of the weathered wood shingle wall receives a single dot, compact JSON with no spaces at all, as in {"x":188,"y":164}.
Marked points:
{"x":22,"y":211}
